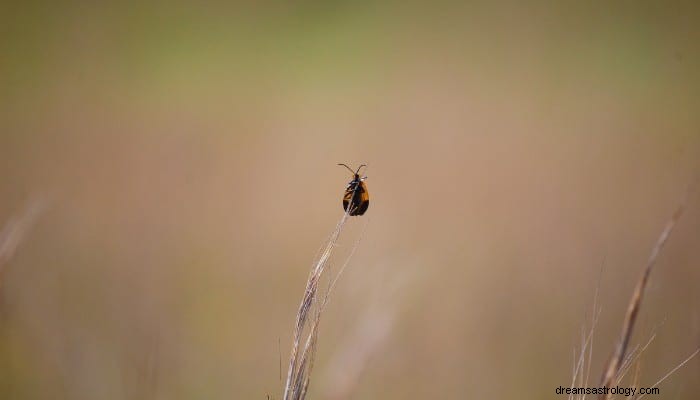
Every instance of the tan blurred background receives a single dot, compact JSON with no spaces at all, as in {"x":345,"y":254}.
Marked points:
{"x":185,"y":159}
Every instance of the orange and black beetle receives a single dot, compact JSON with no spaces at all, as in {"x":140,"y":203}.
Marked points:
{"x":356,"y":197}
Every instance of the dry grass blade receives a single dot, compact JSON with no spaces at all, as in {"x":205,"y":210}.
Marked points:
{"x":301,"y":359}
{"x":361,"y":345}
{"x":615,"y":362}
{"x":583,"y":361}
{"x":682,"y":363}
{"x":16,"y":229}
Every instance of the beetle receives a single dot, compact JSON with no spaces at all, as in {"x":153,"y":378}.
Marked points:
{"x":356,"y":196}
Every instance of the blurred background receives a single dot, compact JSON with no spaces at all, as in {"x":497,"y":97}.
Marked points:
{"x":168,"y":172}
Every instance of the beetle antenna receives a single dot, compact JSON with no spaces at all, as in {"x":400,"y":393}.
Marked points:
{"x":358,"y":168}
{"x":350,"y":169}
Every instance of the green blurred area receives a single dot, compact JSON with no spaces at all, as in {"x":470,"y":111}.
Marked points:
{"x":186,"y":155}
{"x":182,"y":47}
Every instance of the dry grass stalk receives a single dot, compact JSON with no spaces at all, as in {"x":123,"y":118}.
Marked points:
{"x":617,"y":364}
{"x":16,"y":229}
{"x":371,"y":331}
{"x":582,"y":365}
{"x":672,"y":371}
{"x":301,"y":359}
